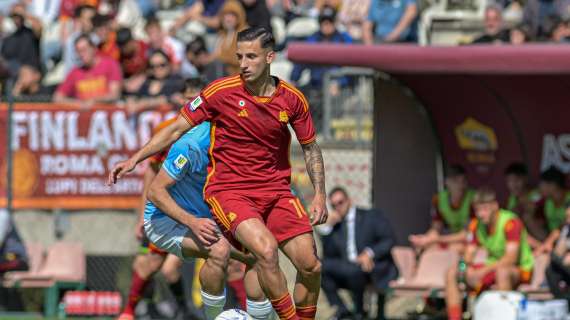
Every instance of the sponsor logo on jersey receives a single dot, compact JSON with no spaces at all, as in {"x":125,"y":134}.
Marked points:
{"x":243,"y":113}
{"x":180,"y":161}
{"x":232,"y":216}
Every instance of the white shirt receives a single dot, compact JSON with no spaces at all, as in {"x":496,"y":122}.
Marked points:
{"x":351,"y":250}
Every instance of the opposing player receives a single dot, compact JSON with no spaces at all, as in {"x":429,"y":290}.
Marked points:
{"x":248,"y":188}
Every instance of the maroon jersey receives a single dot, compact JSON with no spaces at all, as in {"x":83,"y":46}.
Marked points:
{"x":250,"y":138}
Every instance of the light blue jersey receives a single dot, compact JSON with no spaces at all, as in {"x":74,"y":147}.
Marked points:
{"x":187,"y":163}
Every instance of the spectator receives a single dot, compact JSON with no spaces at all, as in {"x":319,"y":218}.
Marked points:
{"x":536,"y":13}
{"x":232,"y":17}
{"x":451,"y":211}
{"x":494,"y":31}
{"x":519,"y":34}
{"x":98,"y":79}
{"x":13,"y":256}
{"x":257,"y":14}
{"x":558,"y":30}
{"x":82,"y":24}
{"x":522,"y":201}
{"x":551,"y":209}
{"x":357,"y":246}
{"x":203,"y":11}
{"x":352,"y":15}
{"x":389,"y":21}
{"x":558,"y":272}
{"x":198,"y":61}
{"x":133,"y":59}
{"x":159,"y":88}
{"x":158,"y":40}
{"x":509,"y":261}
{"x":104,"y":37}
{"x":21,"y":50}
{"x":327,"y":33}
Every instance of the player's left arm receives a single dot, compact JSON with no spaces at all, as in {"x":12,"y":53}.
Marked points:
{"x":316,"y":170}
{"x":513,"y":234}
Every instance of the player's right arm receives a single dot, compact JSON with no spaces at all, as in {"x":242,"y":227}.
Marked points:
{"x":203,"y":228}
{"x":158,"y":142}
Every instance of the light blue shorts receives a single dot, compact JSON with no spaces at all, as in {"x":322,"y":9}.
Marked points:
{"x":166,"y":233}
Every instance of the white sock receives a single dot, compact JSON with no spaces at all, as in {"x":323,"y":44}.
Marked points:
{"x":213,"y":305}
{"x":260,"y":310}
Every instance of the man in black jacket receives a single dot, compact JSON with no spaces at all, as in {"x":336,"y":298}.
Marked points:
{"x":356,"y":247}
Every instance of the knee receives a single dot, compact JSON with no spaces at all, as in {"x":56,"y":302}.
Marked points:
{"x":311,"y":269}
{"x":503,"y":274}
{"x":220,"y":252}
{"x":268,"y":256}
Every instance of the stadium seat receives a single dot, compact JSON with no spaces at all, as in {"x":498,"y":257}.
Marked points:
{"x":405,"y":259}
{"x":299,"y":28}
{"x":279,"y":31}
{"x":430,"y":275}
{"x":282,"y":69}
{"x":534,"y":290}
{"x":36,"y":260}
{"x":64,"y":268}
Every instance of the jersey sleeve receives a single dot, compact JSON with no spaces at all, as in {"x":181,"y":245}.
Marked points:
{"x":187,"y":154}
{"x":198,"y":109}
{"x":513,"y":230}
{"x":301,"y":119}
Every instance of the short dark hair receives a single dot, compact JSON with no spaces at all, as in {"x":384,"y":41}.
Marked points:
{"x":484,"y":195}
{"x":160,"y":53}
{"x":152,"y":21}
{"x":517,"y":168}
{"x":194,"y":83}
{"x":454,"y":170}
{"x":124,"y":35}
{"x":79,"y":10}
{"x":84,"y":36}
{"x":265,"y":36}
{"x":338,"y":189}
{"x":197,"y":46}
{"x":553,"y":175}
{"x":100,"y":20}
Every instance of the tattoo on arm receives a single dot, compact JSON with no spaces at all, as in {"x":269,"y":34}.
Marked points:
{"x":315,"y":166}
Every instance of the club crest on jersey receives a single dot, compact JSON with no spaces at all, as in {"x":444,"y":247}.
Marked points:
{"x":283,"y":117}
{"x":232,"y":216}
{"x":196,"y":103}
{"x":180,"y":161}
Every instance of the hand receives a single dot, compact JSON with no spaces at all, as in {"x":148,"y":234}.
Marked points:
{"x":120,"y":169}
{"x":131,"y":106}
{"x":421,"y":241}
{"x":87,"y":104}
{"x":139,"y":229}
{"x":205,"y":230}
{"x":366,"y":263}
{"x":333,"y":218}
{"x":392,"y":37}
{"x":318,"y":210}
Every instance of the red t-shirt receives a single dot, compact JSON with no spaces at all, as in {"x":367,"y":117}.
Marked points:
{"x":513,"y":231}
{"x":250,"y":138}
{"x":82,"y":83}
{"x":136,"y":63}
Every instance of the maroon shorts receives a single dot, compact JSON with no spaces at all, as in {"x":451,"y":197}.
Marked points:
{"x":282,"y":214}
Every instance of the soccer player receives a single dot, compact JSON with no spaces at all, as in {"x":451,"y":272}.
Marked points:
{"x":509,"y":262}
{"x":248,"y":187}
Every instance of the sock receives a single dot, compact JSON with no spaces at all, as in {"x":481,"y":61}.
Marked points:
{"x":306,"y":313}
{"x":284,"y":308}
{"x":178,"y":291}
{"x":454,"y":312}
{"x":213,"y":305}
{"x":239,"y":291}
{"x":138,"y":285}
{"x":260,"y":310}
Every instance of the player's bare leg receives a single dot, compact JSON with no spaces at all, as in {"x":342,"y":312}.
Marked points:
{"x":301,"y":250}
{"x":507,"y":278}
{"x":213,"y":273}
{"x":258,"y":306}
{"x":254,"y":236}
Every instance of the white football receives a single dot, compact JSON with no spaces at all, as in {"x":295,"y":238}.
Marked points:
{"x":234,"y":314}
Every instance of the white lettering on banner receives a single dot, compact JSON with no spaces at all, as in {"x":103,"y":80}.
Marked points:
{"x":74,"y":140}
{"x":52,"y":130}
{"x":99,"y":132}
{"x":147,"y":121}
{"x":71,"y":164}
{"x":61,"y":186}
{"x":556,"y":152}
{"x":98,"y":186}
{"x":123,"y":132}
{"x":34,"y":132}
{"x":18,"y":129}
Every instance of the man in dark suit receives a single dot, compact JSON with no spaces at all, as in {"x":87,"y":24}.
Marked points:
{"x":357,"y":247}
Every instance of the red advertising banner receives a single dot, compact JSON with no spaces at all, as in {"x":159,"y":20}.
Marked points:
{"x":62,"y":155}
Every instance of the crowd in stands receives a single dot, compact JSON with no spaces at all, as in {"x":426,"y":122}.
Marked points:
{"x":46,"y":46}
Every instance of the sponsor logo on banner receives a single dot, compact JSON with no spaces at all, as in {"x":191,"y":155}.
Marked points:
{"x":478,"y":140}
{"x":556,"y":152}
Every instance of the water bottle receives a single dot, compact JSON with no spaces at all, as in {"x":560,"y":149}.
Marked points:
{"x":462,"y":270}
{"x":61,"y":311}
{"x":522,"y":313}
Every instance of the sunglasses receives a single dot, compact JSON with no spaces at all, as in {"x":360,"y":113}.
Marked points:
{"x":160,"y":65}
